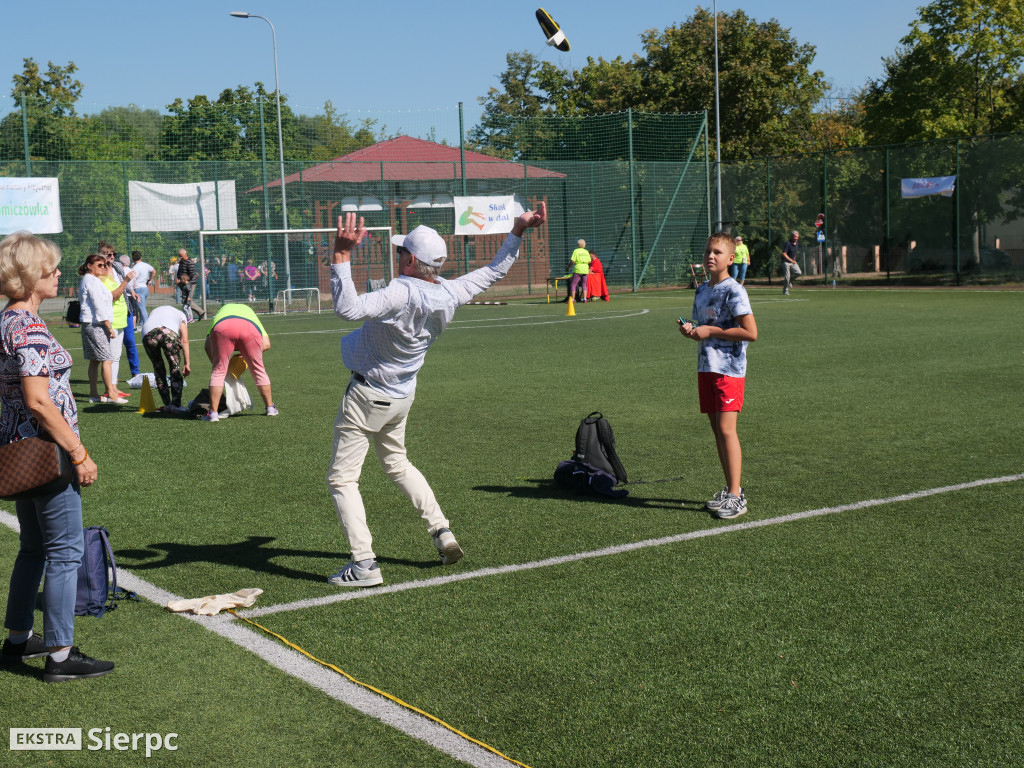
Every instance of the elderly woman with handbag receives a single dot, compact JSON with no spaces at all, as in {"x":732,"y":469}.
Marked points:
{"x":36,"y":401}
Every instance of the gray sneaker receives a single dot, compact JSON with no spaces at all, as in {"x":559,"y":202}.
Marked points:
{"x":448,"y":548}
{"x":732,"y":506}
{"x":716,"y":502}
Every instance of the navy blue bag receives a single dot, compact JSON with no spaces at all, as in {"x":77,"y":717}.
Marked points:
{"x":97,"y":576}
{"x":581,"y":477}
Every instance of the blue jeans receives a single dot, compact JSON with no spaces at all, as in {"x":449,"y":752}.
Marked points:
{"x":130,"y":347}
{"x":143,"y":294}
{"x":738,"y":272}
{"x":51,"y":541}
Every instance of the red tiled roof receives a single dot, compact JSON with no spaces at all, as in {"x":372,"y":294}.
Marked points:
{"x":409,"y":159}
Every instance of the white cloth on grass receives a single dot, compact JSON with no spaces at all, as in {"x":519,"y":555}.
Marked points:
{"x":214,"y":604}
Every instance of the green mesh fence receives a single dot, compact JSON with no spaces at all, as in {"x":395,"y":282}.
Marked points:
{"x":870,"y":230}
{"x":633,"y":185}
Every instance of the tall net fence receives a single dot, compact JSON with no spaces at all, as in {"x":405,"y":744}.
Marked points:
{"x":871,"y":230}
{"x":633,"y":185}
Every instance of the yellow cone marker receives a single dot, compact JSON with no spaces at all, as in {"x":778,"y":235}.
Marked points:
{"x":571,"y":311}
{"x":146,"y":404}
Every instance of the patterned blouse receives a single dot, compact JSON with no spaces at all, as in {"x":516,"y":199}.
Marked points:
{"x":28,"y":349}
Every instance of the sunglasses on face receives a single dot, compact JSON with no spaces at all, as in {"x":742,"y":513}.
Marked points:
{"x":403,"y":251}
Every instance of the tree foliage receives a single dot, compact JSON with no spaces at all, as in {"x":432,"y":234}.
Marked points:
{"x":767,"y":89}
{"x":957,"y":73}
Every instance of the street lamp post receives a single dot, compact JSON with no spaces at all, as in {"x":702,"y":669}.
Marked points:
{"x":280,"y":149}
{"x":718,"y":130}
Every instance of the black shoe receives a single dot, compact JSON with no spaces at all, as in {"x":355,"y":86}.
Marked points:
{"x":75,"y":666}
{"x":32,"y":648}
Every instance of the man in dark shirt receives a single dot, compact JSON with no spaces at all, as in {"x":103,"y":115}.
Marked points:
{"x":186,"y":279}
{"x":790,"y":269}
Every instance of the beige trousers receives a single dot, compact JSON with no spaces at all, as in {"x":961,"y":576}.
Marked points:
{"x":365,"y":415}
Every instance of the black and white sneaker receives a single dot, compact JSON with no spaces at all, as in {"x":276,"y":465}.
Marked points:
{"x":76,"y":666}
{"x":448,"y":548}
{"x":33,"y":648}
{"x":353,"y":575}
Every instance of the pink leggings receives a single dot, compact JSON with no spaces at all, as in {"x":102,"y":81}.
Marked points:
{"x":229,"y":335}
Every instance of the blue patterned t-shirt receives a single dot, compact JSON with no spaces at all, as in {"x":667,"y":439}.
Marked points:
{"x":28,"y":349}
{"x":719,"y":305}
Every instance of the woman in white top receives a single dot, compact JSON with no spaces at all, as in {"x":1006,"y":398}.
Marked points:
{"x":165,"y":334}
{"x":97,"y":316}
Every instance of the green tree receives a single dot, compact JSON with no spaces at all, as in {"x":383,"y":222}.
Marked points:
{"x":228,"y":128}
{"x":767,"y":89}
{"x":48,"y":100}
{"x":57,"y":89}
{"x":331,"y":135}
{"x":957,"y":73}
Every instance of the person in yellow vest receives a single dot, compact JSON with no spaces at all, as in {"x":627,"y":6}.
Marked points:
{"x":236,"y":327}
{"x":117,"y":288}
{"x":580,"y":260}
{"x":740,"y":261}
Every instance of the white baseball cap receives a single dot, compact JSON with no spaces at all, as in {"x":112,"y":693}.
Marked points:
{"x":425,"y":244}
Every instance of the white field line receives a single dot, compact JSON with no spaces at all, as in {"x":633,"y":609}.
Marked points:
{"x":618,"y":549}
{"x":293,"y":663}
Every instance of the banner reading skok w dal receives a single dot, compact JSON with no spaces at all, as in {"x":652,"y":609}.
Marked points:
{"x":485,"y":215}
{"x":936,"y":185}
{"x":32,"y":204}
{"x":182,"y":207}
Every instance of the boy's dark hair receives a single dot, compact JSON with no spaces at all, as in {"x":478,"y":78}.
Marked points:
{"x":136,"y":255}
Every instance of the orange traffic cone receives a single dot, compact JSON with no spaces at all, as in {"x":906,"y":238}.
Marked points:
{"x":146,"y":404}
{"x":571,"y":311}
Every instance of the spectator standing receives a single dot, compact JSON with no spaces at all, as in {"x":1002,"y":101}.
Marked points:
{"x":790,"y":267}
{"x":36,"y":399}
{"x":144,"y":274}
{"x":740,"y":261}
{"x":580,"y":260}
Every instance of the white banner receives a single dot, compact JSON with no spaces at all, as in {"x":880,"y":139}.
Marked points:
{"x":936,"y":185}
{"x":32,"y":204}
{"x":182,"y":207}
{"x":485,"y":215}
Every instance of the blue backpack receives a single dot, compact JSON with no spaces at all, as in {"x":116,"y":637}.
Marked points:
{"x":97,"y":576}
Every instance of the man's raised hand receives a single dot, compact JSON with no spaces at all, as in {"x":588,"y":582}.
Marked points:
{"x":349,"y":236}
{"x":530,"y":219}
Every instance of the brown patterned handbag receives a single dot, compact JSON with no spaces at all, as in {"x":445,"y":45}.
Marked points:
{"x":33,"y":466}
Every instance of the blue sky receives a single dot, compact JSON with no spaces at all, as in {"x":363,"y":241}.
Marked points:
{"x":397,"y":56}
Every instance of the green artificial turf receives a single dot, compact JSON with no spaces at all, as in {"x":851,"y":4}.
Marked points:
{"x":885,"y":636}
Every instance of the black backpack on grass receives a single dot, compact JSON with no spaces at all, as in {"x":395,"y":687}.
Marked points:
{"x":595,"y":445}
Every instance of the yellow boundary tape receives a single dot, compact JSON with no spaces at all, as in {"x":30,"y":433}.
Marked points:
{"x":379,"y":692}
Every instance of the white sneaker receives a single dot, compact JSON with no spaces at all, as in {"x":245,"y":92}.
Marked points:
{"x":211,"y":416}
{"x":448,"y":548}
{"x":272,"y":410}
{"x":354,"y":576}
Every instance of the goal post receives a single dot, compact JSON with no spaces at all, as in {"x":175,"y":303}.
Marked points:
{"x":248,"y":266}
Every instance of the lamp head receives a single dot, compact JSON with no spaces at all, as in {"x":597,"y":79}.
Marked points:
{"x":240,"y":14}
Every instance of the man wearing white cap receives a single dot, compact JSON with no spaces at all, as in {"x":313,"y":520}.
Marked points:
{"x":401,"y":321}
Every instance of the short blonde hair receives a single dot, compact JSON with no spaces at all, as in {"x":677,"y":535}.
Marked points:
{"x":24,"y":259}
{"x":581,"y":243}
{"x":724,"y":238}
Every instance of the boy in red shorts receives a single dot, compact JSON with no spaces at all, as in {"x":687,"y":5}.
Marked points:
{"x":723,"y":324}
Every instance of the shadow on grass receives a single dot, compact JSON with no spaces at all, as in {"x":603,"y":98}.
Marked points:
{"x":544,"y":488}
{"x":253,"y":554}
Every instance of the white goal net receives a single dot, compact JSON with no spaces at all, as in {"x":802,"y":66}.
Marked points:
{"x":257,"y":267}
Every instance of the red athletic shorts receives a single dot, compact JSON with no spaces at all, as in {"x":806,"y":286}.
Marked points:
{"x":719,"y":393}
